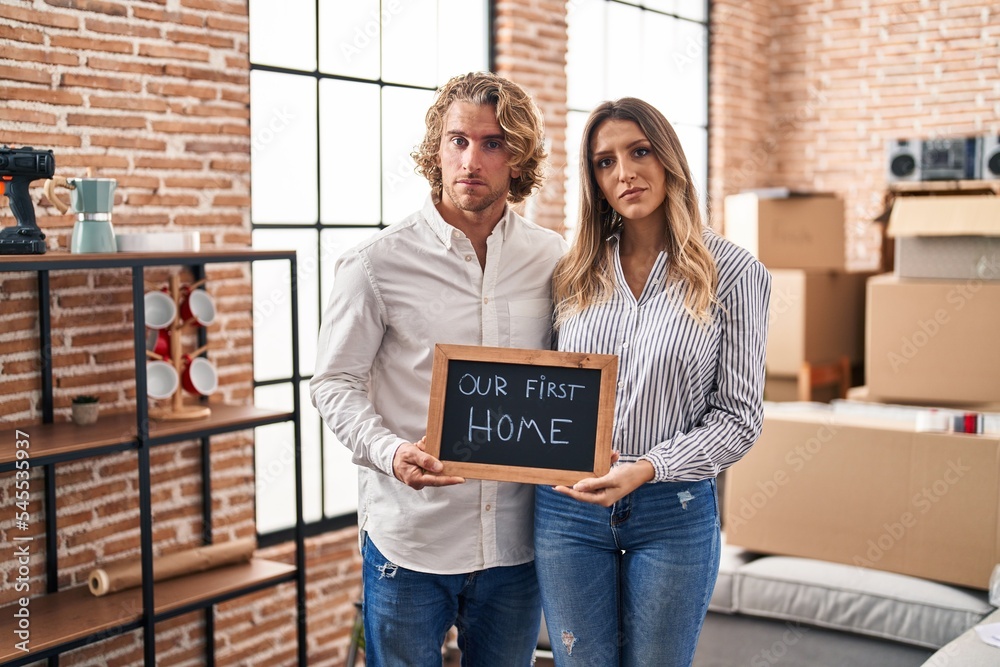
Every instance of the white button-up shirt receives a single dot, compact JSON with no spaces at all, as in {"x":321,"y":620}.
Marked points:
{"x":415,"y":284}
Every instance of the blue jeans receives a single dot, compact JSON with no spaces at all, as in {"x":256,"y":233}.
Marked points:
{"x":407,"y":614}
{"x":627,"y":585}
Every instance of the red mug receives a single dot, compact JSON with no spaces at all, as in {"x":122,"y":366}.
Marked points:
{"x":199,"y":376}
{"x":197,"y":306}
{"x":158,"y":341}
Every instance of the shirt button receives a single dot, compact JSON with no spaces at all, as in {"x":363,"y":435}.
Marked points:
{"x":456,"y":233}
{"x":624,"y":346}
{"x":488,"y":508}
{"x":621,"y":385}
{"x":486,"y":299}
{"x":468,"y":258}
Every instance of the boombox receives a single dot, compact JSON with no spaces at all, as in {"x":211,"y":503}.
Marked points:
{"x":991,"y":157}
{"x":948,"y":159}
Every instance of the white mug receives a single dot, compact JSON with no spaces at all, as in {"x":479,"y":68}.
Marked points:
{"x":161,"y":379}
{"x":160,"y":309}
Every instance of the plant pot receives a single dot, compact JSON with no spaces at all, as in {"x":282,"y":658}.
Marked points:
{"x":85,"y":413}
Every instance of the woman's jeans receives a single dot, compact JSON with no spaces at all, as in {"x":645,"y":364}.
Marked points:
{"x":627,"y":585}
{"x":407,"y":614}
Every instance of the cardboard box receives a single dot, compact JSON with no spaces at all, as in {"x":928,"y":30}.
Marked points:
{"x":786,"y":389}
{"x":797,"y":232}
{"x":933,"y":341}
{"x":946,"y":237}
{"x":815,"y":316}
{"x":862,"y":493}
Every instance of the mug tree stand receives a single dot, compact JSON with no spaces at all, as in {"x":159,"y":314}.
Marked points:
{"x":177,"y":410}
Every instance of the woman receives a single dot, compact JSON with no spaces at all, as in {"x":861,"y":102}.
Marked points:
{"x":627,"y":561}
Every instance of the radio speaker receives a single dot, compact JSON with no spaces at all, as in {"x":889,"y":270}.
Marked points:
{"x":903,"y":158}
{"x":990,"y":170}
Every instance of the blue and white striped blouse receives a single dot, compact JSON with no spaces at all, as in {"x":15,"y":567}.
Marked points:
{"x":689,"y":397}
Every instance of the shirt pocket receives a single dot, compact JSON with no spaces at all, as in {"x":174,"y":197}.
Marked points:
{"x":530,"y":323}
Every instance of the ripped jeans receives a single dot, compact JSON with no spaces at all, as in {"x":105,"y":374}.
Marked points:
{"x":627,"y":585}
{"x":407,"y":614}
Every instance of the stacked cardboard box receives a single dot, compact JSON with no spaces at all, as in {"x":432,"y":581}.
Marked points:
{"x":890,"y":495}
{"x":931,"y":327}
{"x":817,"y":307}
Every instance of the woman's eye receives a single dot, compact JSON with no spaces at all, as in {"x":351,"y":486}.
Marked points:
{"x":642,"y":152}
{"x":604,"y":163}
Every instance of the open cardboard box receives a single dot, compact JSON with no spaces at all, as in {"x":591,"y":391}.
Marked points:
{"x":869,"y":493}
{"x":946,"y":237}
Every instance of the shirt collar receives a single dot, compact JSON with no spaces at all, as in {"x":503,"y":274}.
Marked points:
{"x":444,"y":231}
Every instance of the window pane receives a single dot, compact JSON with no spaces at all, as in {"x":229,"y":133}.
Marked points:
{"x":283,"y":33}
{"x":684,"y":69}
{"x":407,"y":33}
{"x":283,"y":134}
{"x":341,"y":477}
{"x":272,"y":318}
{"x":403,"y":190}
{"x":624,"y":51}
{"x":462,"y":38}
{"x":694,"y":140}
{"x":274,"y":452}
{"x":349,"y":37}
{"x":585,"y":63}
{"x":303,"y":242}
{"x":349,"y":152}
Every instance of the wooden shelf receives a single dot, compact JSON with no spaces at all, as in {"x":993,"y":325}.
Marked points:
{"x":75,"y":614}
{"x":61,"y":260}
{"x":66,"y":440}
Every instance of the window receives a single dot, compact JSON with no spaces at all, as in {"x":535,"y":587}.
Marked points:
{"x":656,"y":50}
{"x":338,"y":93}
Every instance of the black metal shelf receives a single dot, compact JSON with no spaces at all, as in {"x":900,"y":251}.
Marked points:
{"x":52,"y":444}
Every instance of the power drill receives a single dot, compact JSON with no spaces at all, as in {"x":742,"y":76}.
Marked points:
{"x":18,"y":168}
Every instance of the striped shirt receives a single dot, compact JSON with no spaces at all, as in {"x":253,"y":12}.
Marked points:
{"x":689,"y":397}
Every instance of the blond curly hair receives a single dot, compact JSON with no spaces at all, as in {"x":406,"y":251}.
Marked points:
{"x":517,"y":115}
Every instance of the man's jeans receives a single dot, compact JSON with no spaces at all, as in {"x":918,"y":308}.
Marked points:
{"x":407,"y":614}
{"x":627,"y":585}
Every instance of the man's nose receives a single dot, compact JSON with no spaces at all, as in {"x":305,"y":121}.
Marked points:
{"x":472,"y":158}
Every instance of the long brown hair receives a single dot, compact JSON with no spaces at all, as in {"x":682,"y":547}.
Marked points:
{"x":584,"y":275}
{"x":516,"y":114}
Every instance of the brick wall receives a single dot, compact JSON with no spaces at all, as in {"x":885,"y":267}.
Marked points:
{"x":840,"y":79}
{"x":154,"y":94}
{"x":531,"y":50}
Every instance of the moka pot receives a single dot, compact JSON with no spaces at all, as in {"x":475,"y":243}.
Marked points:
{"x":91,"y":199}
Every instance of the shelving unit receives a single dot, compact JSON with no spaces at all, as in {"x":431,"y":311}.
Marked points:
{"x":68,"y":619}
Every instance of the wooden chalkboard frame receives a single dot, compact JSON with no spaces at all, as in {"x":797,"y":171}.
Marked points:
{"x":606,"y":364}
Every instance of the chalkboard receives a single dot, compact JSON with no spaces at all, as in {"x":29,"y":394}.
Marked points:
{"x":533,"y":416}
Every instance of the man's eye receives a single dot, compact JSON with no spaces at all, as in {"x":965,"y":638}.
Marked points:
{"x":458,"y":141}
{"x":494,"y":145}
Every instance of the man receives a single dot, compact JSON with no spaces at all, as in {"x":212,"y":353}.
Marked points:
{"x":440,"y":550}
